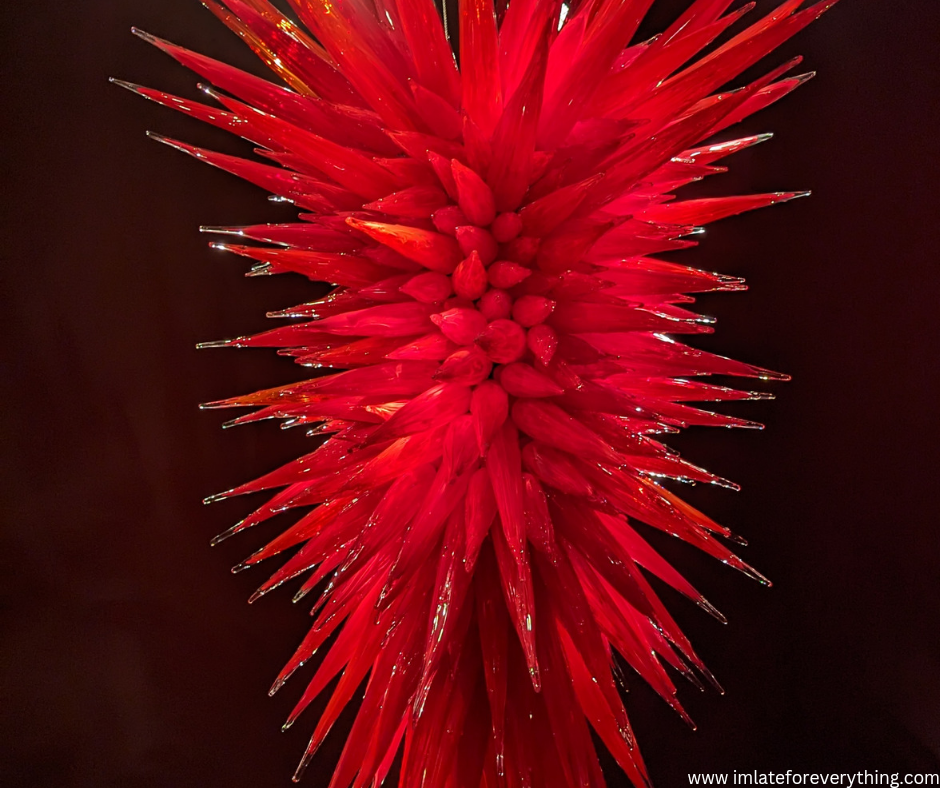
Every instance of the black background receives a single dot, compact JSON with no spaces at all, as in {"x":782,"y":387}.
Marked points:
{"x":129,"y":657}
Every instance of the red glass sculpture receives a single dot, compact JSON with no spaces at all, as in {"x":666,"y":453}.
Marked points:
{"x":497,"y":361}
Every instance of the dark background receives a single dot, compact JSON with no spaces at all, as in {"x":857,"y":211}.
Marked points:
{"x":129,"y":657}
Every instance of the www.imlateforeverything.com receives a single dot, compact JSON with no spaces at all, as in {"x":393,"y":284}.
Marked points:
{"x":790,"y":777}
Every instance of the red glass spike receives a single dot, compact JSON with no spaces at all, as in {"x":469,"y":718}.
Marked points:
{"x":432,"y":250}
{"x":286,"y":49}
{"x":434,"y":61}
{"x":512,"y":168}
{"x":479,"y":60}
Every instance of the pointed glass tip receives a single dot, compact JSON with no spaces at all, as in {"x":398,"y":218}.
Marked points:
{"x":780,"y":197}
{"x":210,"y":91}
{"x":216,"y":540}
{"x":221,"y":230}
{"x":749,"y":571}
{"x":220,"y":343}
{"x":217,"y":497}
{"x":131,"y":86}
{"x":219,"y":403}
{"x":304,"y":762}
{"x":767,"y":374}
{"x":709,"y":608}
{"x":150,"y":38}
{"x":168,"y":141}
{"x":693,"y":679}
{"x":710,"y":678}
{"x":733,"y":537}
